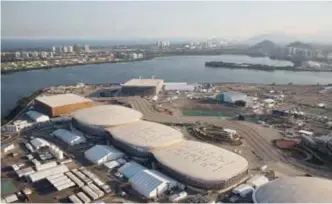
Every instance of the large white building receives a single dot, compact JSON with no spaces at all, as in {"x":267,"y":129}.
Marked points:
{"x":202,"y":165}
{"x":130,"y":169}
{"x":68,"y":137}
{"x":99,"y":154}
{"x":141,"y":137}
{"x":232,"y":97}
{"x":37,"y":117}
{"x":295,"y":190}
{"x":38,"y":143}
{"x":93,"y":120}
{"x":151,"y":183}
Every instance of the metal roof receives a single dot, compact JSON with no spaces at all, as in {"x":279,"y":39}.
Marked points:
{"x":143,"y":82}
{"x":148,"y":135}
{"x":295,"y":190}
{"x":62,"y":99}
{"x":39,"y":142}
{"x":107,"y":115}
{"x":102,"y":153}
{"x":201,"y":161}
{"x":130,"y":169}
{"x":68,"y":137}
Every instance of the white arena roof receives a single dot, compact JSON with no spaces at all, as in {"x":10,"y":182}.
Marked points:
{"x":295,"y":190}
{"x":107,"y":115}
{"x":62,"y":99}
{"x":201,"y":161}
{"x":147,"y":135}
{"x":143,"y":82}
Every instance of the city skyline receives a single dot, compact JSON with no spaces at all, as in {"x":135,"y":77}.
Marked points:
{"x":144,"y":20}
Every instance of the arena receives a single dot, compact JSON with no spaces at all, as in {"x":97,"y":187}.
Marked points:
{"x":94,"y":120}
{"x":142,"y":87}
{"x":295,"y":190}
{"x":61,"y":104}
{"x":202,"y":165}
{"x":141,"y":137}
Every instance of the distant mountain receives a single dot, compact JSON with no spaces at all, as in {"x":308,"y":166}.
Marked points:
{"x":265,"y":45}
{"x":277,"y":38}
{"x":299,"y":44}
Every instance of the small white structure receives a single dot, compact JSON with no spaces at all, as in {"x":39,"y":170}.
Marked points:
{"x":37,"y":117}
{"x":231,"y":133}
{"x":243,"y":190}
{"x":39,"y":175}
{"x":17,"y":126}
{"x":46,"y":165}
{"x":257,"y":181}
{"x":130,"y":169}
{"x":112,"y":164}
{"x":182,"y":86}
{"x":307,"y":133}
{"x":37,"y":143}
{"x":24,"y":172}
{"x":150,"y":183}
{"x":177,"y":197}
{"x":232,"y":97}
{"x":5,"y":148}
{"x":11,"y":198}
{"x":102,"y":153}
{"x":68,"y":137}
{"x":269,"y":101}
{"x":321,"y":105}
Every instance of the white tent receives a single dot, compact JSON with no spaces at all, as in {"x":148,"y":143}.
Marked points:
{"x":39,"y":142}
{"x":99,"y":154}
{"x":130,"y":169}
{"x":257,"y":181}
{"x":37,"y":117}
{"x":69,"y":137}
{"x":150,"y":183}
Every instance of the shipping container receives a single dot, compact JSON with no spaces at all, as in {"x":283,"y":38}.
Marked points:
{"x":65,"y":186}
{"x":35,"y":162}
{"x":83,"y":197}
{"x":74,"y":199}
{"x":61,"y":182}
{"x":39,"y":175}
{"x":74,"y":178}
{"x":25,"y":172}
{"x":90,"y":193}
{"x":46,"y":165}
{"x":98,"y":182}
{"x":55,"y":176}
{"x":66,"y":161}
{"x":54,"y":180}
{"x":96,"y":190}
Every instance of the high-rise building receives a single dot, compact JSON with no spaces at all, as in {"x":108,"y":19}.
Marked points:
{"x":25,"y":54}
{"x":34,"y":54}
{"x":70,"y":49}
{"x":17,"y":54}
{"x":53,"y":49}
{"x":77,"y":48}
{"x":86,"y":48}
{"x":58,"y":50}
{"x":65,"y":49}
{"x":43,"y":54}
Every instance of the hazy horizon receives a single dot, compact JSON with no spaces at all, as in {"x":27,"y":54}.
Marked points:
{"x":308,"y":21}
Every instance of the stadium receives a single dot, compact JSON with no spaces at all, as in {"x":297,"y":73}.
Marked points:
{"x":295,"y":190}
{"x":94,"y":120}
{"x":202,"y":165}
{"x":141,"y":137}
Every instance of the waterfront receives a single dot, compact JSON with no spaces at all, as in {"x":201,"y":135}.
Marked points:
{"x":190,"y":69}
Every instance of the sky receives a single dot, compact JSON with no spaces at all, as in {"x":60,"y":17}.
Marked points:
{"x":168,"y":20}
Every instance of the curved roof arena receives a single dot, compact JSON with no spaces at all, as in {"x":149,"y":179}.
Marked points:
{"x":201,"y":161}
{"x":107,"y":115}
{"x":295,"y":190}
{"x":147,"y":135}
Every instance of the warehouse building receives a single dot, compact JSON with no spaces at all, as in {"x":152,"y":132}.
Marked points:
{"x":93,"y":120}
{"x":37,"y":117}
{"x":232,"y":97}
{"x":61,"y":104}
{"x":130,"y":169}
{"x":151,"y":183}
{"x":142,"y":87}
{"x":141,"y":137}
{"x":295,"y":190}
{"x":38,"y":143}
{"x":68,"y":137}
{"x":99,"y":154}
{"x":202,"y":165}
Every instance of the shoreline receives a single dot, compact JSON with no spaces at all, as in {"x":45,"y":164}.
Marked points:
{"x":70,"y":65}
{"x":259,"y":67}
{"x":165,"y":55}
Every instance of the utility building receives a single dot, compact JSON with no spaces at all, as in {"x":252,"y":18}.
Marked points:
{"x":142,"y":87}
{"x":61,"y":104}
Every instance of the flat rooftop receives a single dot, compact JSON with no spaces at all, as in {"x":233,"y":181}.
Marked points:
{"x":143,"y":82}
{"x":62,"y":99}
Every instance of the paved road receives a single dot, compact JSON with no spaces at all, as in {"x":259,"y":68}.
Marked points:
{"x":259,"y":138}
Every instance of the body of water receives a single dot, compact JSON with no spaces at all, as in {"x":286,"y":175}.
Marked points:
{"x":189,"y":69}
